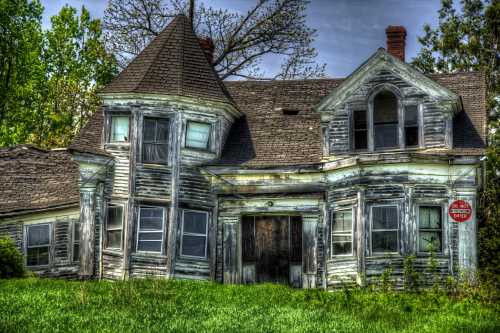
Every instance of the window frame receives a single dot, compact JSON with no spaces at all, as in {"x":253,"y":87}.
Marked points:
{"x":209,"y":141}
{"x":74,"y":241}
{"x":110,"y":133}
{"x":49,"y":246}
{"x":443,"y":232}
{"x":138,"y":232}
{"x":205,"y":257}
{"x":353,"y":223}
{"x":418,"y":125}
{"x":354,"y":130}
{"x":398,"y":228}
{"x":167,"y":143}
{"x":106,"y":247}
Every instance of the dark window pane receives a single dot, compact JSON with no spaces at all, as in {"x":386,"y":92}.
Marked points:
{"x":149,"y":130}
{"x":114,"y":239}
{"x":248,"y":238}
{"x":144,"y":236}
{"x":385,"y":217}
{"x":361,"y":139}
{"x":38,"y":235}
{"x":411,"y":136}
{"x":151,"y":219}
{"x":76,"y":235}
{"x":430,"y":217}
{"x":162,"y":131}
{"x":38,"y":256}
{"x":161,"y":153}
{"x":429,"y":241}
{"x":340,"y":248}
{"x":411,"y":115}
{"x":342,"y":221}
{"x":76,"y":252}
{"x":115,"y":216}
{"x":385,"y":241}
{"x":385,"y":108}
{"x":360,"y":120}
{"x":296,"y":238}
{"x":194,"y":246}
{"x":150,"y":246}
{"x":386,"y":135}
{"x":195,"y":222}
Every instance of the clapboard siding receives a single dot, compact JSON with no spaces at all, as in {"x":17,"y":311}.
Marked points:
{"x":148,"y":266}
{"x":112,"y":265}
{"x":153,"y":183}
{"x":194,"y":188}
{"x":118,"y":176}
{"x":189,"y":269}
{"x":14,"y":231}
{"x":341,"y":272}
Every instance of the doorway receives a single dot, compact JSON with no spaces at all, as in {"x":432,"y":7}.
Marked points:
{"x":272,"y":248}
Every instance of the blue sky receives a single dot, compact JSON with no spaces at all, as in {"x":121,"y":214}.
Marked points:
{"x":348,"y":31}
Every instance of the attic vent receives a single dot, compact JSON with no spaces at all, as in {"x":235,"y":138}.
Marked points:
{"x":290,"y":112}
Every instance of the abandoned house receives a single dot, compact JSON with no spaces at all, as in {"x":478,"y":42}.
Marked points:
{"x":314,"y":183}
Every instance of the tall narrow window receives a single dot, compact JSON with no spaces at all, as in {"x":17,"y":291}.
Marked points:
{"x":150,"y":230}
{"x":384,"y":229}
{"x":119,"y":129}
{"x":197,"y":135}
{"x":76,"y":241}
{"x":360,"y":130}
{"x":411,"y":125}
{"x":194,"y":234}
{"x":430,"y":229}
{"x":342,"y":233}
{"x":385,"y":120}
{"x":114,"y":227}
{"x":38,"y":245}
{"x":155,"y":140}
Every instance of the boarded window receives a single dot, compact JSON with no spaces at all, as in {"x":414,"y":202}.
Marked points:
{"x":360,"y":130}
{"x":342,"y":233}
{"x":155,"y":140}
{"x":114,"y":227}
{"x":194,"y":234}
{"x":411,"y":126}
{"x":430,"y":229}
{"x":76,"y":241}
{"x":119,"y":129}
{"x":150,"y":229}
{"x":385,"y":120}
{"x":38,"y":245}
{"x":197,"y":135}
{"x":384,"y":229}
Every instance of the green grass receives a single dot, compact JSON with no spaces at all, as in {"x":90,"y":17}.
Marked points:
{"x":44,"y":305}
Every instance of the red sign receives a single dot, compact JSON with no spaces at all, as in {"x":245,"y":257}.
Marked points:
{"x":460,"y":211}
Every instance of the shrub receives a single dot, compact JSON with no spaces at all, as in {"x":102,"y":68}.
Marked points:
{"x":11,"y":260}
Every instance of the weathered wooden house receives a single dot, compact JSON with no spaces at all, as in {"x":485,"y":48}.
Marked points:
{"x":314,"y":183}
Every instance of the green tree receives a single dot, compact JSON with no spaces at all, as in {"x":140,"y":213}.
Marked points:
{"x":468,"y":40}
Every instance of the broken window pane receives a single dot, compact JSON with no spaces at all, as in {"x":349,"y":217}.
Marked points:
{"x":385,"y":120}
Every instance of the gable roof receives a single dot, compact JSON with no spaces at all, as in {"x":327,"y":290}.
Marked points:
{"x":172,"y":64}
{"x":34,"y":179}
{"x":381,"y":59}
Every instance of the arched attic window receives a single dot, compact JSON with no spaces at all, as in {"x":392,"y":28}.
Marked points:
{"x":385,"y":120}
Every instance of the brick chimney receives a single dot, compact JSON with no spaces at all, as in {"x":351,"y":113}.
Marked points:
{"x":396,"y":41}
{"x":208,"y":47}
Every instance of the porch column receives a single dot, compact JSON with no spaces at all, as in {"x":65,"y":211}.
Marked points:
{"x":87,"y":231}
{"x":360,"y":237}
{"x":230,"y":252}
{"x":467,"y":240}
{"x":309,"y":250}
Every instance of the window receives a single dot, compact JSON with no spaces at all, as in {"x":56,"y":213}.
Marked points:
{"x":385,"y":120}
{"x":384,"y":229}
{"x":119,"y":129}
{"x":430,"y":229}
{"x":342,"y":233}
{"x":38,"y":244}
{"x":194,"y":234}
{"x":155,"y":140}
{"x":197,"y":135}
{"x":360,"y":130}
{"x":150,"y":230}
{"x":76,"y":241}
{"x":114,"y":227}
{"x":411,"y":125}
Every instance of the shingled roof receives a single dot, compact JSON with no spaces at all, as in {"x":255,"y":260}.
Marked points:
{"x":34,"y":179}
{"x":172,"y":64}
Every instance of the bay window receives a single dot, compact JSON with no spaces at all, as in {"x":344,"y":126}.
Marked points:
{"x":198,"y":135}
{"x":155,"y":140}
{"x":194,"y":234}
{"x":114,"y":227}
{"x":150,"y":229}
{"x":384,"y":229}
{"x":342,"y":233}
{"x":430,"y":229}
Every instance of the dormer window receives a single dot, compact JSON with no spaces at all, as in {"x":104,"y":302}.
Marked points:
{"x":385,"y":120}
{"x":411,"y":126}
{"x":198,"y":135}
{"x":119,"y":129}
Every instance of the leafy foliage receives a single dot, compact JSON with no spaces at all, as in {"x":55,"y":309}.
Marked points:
{"x":469,"y":40}
{"x":11,"y":260}
{"x":242,"y":40}
{"x":196,"y":306}
{"x":55,"y":74}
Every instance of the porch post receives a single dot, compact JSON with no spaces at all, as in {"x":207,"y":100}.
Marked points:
{"x":87,"y":234}
{"x":309,"y":250}
{"x":230,"y":252}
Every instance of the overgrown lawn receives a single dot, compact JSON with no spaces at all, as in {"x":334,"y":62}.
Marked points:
{"x":44,"y":305}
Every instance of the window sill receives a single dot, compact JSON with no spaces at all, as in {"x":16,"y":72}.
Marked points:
{"x":155,"y":166}
{"x":191,"y":258}
{"x":115,"y":252}
{"x":381,"y":255}
{"x":144,"y":254}
{"x":204,"y":152}
{"x":116,"y":145}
